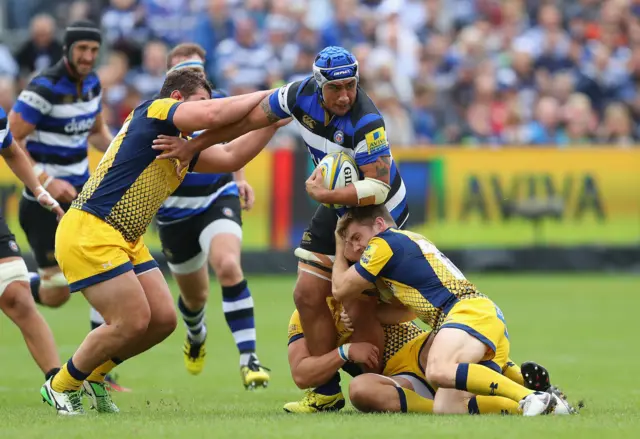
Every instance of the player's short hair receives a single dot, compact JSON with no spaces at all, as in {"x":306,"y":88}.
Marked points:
{"x":365,"y":215}
{"x":185,"y":50}
{"x":187,"y":82}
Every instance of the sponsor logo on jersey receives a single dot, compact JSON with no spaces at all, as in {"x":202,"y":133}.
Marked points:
{"x":368,"y":254}
{"x":338,"y":137}
{"x":376,"y":140}
{"x":308,"y":121}
{"x":77,"y":126}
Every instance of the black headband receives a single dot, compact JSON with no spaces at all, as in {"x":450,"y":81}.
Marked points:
{"x":81,"y":31}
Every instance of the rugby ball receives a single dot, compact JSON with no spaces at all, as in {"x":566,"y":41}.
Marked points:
{"x":338,"y":170}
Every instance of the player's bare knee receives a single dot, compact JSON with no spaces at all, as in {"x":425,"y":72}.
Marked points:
{"x":227,"y":268}
{"x":163,"y":322}
{"x":55,"y":297}
{"x":196,"y":298}
{"x":439,"y":373}
{"x":17,"y":303}
{"x":362,"y":394}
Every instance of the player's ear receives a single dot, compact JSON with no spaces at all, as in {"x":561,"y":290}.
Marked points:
{"x":175,"y":94}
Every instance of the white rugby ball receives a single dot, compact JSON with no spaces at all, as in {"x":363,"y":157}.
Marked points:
{"x":338,"y":170}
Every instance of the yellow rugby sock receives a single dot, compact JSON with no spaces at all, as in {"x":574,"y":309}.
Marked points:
{"x":68,"y":378}
{"x":101,"y":371}
{"x":483,"y":405}
{"x":411,"y":402}
{"x":512,"y":371}
{"x":481,"y":380}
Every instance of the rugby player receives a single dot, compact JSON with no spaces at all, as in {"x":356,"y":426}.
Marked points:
{"x":402,"y":386}
{"x":471,"y":343}
{"x":99,"y":242}
{"x":15,"y":299}
{"x":333,"y":114}
{"x":54,"y":118}
{"x":202,"y":221}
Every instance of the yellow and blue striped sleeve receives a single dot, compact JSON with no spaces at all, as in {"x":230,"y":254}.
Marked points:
{"x":374,"y":259}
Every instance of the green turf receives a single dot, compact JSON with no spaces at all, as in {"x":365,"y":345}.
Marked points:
{"x":580,"y":326}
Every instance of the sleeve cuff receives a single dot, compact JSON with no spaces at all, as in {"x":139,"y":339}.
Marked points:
{"x":172,"y":111}
{"x":295,"y":337}
{"x":364,"y":273}
{"x":274,"y":103}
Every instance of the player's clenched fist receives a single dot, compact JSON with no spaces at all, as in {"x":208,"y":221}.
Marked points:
{"x":364,"y":353}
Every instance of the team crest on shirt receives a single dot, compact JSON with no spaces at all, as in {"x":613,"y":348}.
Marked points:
{"x":226,"y":211}
{"x":368,"y":253}
{"x":376,"y":139}
{"x":338,"y":137}
{"x":308,"y":121}
{"x":13,"y":246}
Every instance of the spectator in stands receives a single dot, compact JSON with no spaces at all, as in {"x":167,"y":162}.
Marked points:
{"x":423,"y":114}
{"x":245,"y":59}
{"x":617,"y":127}
{"x":211,"y":29}
{"x":8,"y":65}
{"x":148,"y":79}
{"x":580,"y":119}
{"x":545,"y":128}
{"x":124,"y":20}
{"x":7,"y":93}
{"x":279,"y":30}
{"x":398,"y":124}
{"x":172,"y":21}
{"x":344,"y":28}
{"x":42,"y":50}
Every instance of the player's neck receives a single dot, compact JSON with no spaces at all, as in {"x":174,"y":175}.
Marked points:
{"x":72,"y":71}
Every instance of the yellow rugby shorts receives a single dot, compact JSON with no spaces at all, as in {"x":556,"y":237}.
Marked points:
{"x":482,"y":318}
{"x":406,"y":364}
{"x":90,"y":251}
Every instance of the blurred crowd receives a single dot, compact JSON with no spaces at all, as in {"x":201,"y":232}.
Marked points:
{"x":465,"y":72}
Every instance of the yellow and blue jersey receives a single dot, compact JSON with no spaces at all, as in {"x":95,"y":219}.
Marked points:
{"x":396,"y":336}
{"x":129,"y":185}
{"x":417,"y":274}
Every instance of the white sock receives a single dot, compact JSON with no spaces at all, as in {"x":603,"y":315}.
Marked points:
{"x":244,"y":358}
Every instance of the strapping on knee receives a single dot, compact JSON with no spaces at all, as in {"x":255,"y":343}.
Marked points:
{"x":12,"y":271}
{"x":56,"y":280}
{"x":316,"y":264}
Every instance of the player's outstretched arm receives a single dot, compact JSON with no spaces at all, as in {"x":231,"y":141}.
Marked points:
{"x":232,"y":156}
{"x":308,"y":371}
{"x":19,"y":162}
{"x":218,"y":115}
{"x":260,"y":115}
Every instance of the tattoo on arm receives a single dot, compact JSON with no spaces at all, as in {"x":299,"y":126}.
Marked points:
{"x":266,"y":107}
{"x":383,"y":166}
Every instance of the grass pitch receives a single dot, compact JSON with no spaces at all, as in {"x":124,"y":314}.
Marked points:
{"x":580,"y":326}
